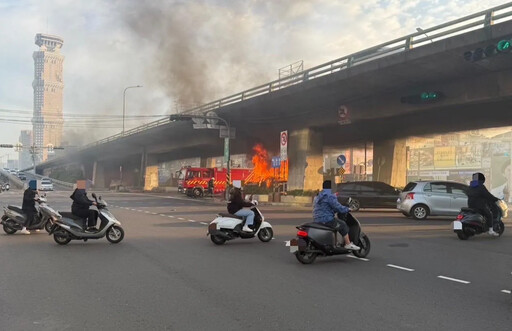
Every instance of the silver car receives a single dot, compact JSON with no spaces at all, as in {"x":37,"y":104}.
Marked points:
{"x":432,"y":198}
{"x":46,"y":184}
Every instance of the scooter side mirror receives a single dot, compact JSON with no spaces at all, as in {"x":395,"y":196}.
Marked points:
{"x":94,"y":195}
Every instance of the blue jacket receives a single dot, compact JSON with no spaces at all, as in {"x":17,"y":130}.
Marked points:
{"x":325,"y":206}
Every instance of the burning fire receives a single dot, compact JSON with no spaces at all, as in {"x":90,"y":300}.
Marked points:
{"x":263,"y":172}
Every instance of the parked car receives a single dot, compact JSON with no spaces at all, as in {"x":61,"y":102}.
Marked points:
{"x":432,"y":198}
{"x":22,"y":176}
{"x":12,"y":172}
{"x":46,"y":184}
{"x":367,"y":195}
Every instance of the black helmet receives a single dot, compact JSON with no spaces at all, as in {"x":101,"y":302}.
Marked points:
{"x":479,"y":177}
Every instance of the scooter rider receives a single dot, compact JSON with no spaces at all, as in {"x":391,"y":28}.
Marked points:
{"x":325,"y":206}
{"x":480,"y":199}
{"x":236,"y":207}
{"x":30,"y":196}
{"x":81,"y":204}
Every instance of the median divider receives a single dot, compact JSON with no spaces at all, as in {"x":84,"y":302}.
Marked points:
{"x":13,"y":180}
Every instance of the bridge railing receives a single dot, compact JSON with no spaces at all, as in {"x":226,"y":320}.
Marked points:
{"x":475,"y":21}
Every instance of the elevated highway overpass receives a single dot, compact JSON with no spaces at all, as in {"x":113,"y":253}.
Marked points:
{"x":371,"y":84}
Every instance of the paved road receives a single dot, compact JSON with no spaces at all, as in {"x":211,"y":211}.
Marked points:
{"x":167,"y":275}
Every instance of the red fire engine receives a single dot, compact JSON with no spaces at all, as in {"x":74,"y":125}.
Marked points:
{"x":194,"y":181}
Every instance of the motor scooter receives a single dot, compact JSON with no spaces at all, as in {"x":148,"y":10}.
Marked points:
{"x":315,"y":239}
{"x":228,"y":227}
{"x":470,"y":222}
{"x":14,"y":218}
{"x":71,"y":227}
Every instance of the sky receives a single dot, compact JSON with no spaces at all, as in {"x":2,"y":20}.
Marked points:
{"x":186,"y":52}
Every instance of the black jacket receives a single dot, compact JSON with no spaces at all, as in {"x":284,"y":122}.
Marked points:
{"x":29,"y":202}
{"x":80,"y":201}
{"x":479,"y":197}
{"x":236,"y":202}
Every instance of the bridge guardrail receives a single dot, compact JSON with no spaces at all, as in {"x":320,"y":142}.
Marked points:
{"x":481,"y":19}
{"x":13,"y":180}
{"x":56,"y":181}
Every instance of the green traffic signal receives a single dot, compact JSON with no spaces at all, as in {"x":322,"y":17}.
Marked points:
{"x":503,"y":46}
{"x":429,"y":95}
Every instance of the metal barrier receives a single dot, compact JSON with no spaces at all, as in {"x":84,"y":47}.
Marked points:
{"x":56,"y":181}
{"x":13,"y":180}
{"x":472,"y":22}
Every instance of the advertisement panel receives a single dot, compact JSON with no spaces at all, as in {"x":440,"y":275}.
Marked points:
{"x":444,"y":157}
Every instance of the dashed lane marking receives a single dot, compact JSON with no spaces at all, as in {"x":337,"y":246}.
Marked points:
{"x":454,"y":279}
{"x":506,"y":291}
{"x":192,"y":221}
{"x":170,"y":216}
{"x":399,"y":267}
{"x":162,"y":215}
{"x":355,"y":257}
{"x":203,"y":223}
{"x":181,"y":218}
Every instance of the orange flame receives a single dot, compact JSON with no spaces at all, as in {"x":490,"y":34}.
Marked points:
{"x":263,"y":172}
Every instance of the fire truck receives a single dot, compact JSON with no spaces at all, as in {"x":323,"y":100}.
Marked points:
{"x":194,"y":181}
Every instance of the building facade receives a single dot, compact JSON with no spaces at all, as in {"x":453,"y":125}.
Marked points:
{"x":48,"y":87}
{"x":24,"y":155}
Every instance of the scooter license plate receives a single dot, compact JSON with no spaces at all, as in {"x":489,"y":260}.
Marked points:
{"x":294,"y":245}
{"x":457,"y":225}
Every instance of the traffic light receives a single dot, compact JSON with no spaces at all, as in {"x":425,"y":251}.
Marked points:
{"x":503,"y":46}
{"x":423,"y":97}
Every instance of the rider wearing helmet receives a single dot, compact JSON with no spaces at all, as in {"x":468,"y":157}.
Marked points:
{"x":480,"y":199}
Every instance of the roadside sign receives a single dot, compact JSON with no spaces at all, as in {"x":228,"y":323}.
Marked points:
{"x":223,"y":132}
{"x":276,"y":162}
{"x":341,"y":160}
{"x":283,"y":141}
{"x":198,"y":123}
{"x":341,"y":171}
{"x":343,"y":115}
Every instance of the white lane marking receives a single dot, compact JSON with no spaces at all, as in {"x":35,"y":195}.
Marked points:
{"x":203,"y":223}
{"x":358,"y":258}
{"x":454,"y":279}
{"x":399,"y":267}
{"x":181,"y":218}
{"x":191,"y":221}
{"x":147,"y":212}
{"x":170,"y":216}
{"x":506,"y":291}
{"x":162,"y":215}
{"x":154,"y":214}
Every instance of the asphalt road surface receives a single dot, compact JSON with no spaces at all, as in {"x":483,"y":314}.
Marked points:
{"x":167,"y":275}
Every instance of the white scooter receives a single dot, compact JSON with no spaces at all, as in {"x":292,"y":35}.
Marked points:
{"x":227,"y":227}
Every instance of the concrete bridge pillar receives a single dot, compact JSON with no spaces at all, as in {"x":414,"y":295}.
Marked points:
{"x":147,"y":160}
{"x":98,"y":175}
{"x":389,"y":162}
{"x":305,"y":160}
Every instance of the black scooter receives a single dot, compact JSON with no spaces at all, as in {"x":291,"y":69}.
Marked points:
{"x":469,"y":222}
{"x":315,"y":239}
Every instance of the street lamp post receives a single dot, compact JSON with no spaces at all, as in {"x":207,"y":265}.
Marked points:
{"x":124,"y":100}
{"x":227,"y":155}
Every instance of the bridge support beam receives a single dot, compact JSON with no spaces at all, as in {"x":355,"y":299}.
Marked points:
{"x":389,"y":162}
{"x":305,"y":160}
{"x":98,"y":175}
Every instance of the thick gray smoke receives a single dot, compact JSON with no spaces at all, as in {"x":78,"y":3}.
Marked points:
{"x":203,"y":50}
